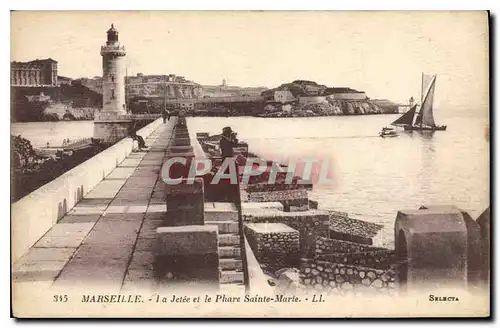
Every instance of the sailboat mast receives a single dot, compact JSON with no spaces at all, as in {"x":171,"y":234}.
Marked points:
{"x":422,"y":89}
{"x":421,"y":96}
{"x":126,"y":94}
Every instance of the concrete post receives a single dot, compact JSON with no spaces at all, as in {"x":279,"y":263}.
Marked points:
{"x":181,"y":142}
{"x":187,"y":254}
{"x":431,"y":248}
{"x":179,"y":170}
{"x":181,"y":135}
{"x":185,"y":203}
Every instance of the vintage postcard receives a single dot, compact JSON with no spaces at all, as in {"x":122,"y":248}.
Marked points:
{"x":170,"y":164}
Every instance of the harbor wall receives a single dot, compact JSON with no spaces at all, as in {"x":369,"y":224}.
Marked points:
{"x":378,"y":259}
{"x":275,"y":245}
{"x":34,"y":214}
{"x":336,"y":278}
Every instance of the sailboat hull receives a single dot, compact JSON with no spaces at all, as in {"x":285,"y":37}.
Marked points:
{"x":425,"y":128}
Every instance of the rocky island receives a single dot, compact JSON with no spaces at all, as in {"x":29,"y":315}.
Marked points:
{"x":308,"y":98}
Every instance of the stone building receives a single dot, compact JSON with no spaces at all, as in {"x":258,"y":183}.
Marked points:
{"x":163,"y":86}
{"x":284,"y":96}
{"x":35,"y":73}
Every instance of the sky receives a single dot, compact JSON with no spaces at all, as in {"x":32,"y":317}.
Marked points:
{"x":381,"y":53}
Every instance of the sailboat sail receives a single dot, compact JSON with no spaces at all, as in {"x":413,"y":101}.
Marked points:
{"x":426,"y":81}
{"x":426,"y":115}
{"x":406,"y":118}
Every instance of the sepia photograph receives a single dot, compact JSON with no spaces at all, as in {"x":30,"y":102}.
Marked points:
{"x":250,"y":164}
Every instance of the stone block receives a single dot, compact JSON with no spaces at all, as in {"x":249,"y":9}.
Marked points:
{"x":229,"y":251}
{"x":220,"y":212}
{"x":187,"y":253}
{"x":272,"y":238}
{"x":181,"y":142}
{"x":225,"y":227}
{"x":187,"y":240}
{"x":180,"y":149}
{"x":310,"y":224}
{"x":252,"y":207}
{"x":185,"y":203}
{"x":177,"y":169}
{"x":185,"y":188}
{"x":431,"y":247}
{"x":229,"y":239}
{"x":181,"y":135}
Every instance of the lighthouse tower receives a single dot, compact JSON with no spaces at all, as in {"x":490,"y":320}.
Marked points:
{"x":111,"y":124}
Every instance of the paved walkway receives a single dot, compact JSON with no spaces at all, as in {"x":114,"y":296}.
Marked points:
{"x":107,"y":238}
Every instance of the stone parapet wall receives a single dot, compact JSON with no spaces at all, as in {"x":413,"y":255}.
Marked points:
{"x":273,"y":262}
{"x":378,"y":259}
{"x":275,"y":245}
{"x":279,"y":238}
{"x":335,"y":278}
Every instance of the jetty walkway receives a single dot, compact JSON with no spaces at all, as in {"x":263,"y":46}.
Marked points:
{"x":107,"y":238}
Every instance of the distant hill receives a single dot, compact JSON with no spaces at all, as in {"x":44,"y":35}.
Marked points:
{"x":357,"y":104}
{"x":27,"y":105}
{"x":306,"y":88}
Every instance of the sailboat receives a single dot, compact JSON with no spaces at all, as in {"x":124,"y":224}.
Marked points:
{"x":424,"y":120}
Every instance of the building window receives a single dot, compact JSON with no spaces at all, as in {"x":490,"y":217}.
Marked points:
{"x":112,"y":78}
{"x":112,"y":94}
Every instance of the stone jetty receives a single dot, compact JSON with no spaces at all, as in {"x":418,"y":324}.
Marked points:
{"x":127,"y":230}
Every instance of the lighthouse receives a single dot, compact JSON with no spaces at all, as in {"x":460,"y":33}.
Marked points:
{"x":112,"y":124}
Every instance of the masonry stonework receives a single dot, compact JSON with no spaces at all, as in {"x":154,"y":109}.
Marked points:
{"x":335,"y":278}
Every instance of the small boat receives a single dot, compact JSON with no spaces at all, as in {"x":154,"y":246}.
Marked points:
{"x":388,"y":133}
{"x":424,"y":120}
